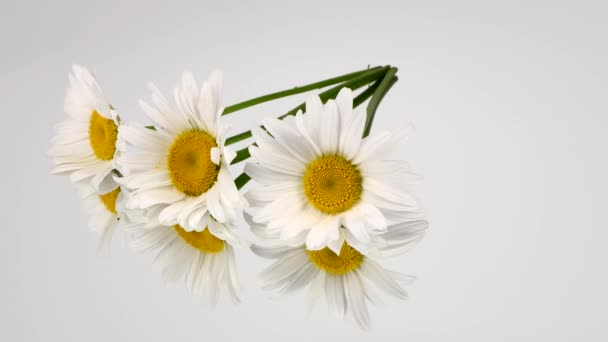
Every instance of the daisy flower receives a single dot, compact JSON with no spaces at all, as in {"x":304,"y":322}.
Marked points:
{"x":317,"y":174}
{"x":84,"y":144}
{"x":179,"y":169}
{"x":349,"y":279}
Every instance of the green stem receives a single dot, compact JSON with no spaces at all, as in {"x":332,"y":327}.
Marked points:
{"x":243,"y":154}
{"x":385,"y":85}
{"x":241,"y":180}
{"x":353,"y":84}
{"x":366,"y":94}
{"x":294,"y":91}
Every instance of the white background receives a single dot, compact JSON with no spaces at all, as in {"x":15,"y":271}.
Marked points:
{"x":510,"y":104}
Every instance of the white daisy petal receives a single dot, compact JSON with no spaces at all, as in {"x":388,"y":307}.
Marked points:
{"x":323,"y":232}
{"x":400,"y":216}
{"x":389,"y":193}
{"x":215,"y":155}
{"x":357,"y":228}
{"x":290,"y":139}
{"x":158,"y":117}
{"x":106,"y":183}
{"x":277,"y":162}
{"x":371,"y":145}
{"x":290,"y":202}
{"x":350,"y":135}
{"x":297,"y":228}
{"x":143,"y":137}
{"x":404,"y":279}
{"x":330,"y":129}
{"x":270,"y":252}
{"x":336,"y":245}
{"x":265,"y":141}
{"x":267,"y":176}
{"x":101,"y":173}
{"x":229,"y":194}
{"x":314,"y":117}
{"x":270,"y":193}
{"x":229,"y":154}
{"x":385,"y":167}
{"x":196,"y":216}
{"x":344,"y":101}
{"x":148,"y":198}
{"x":334,"y":290}
{"x":378,"y":276}
{"x":301,"y":126}
{"x":301,"y":279}
{"x":403,"y":237}
{"x":148,"y":179}
{"x":316,"y":288}
{"x":233,"y":279}
{"x":164,"y":116}
{"x":274,"y":275}
{"x":356,"y":298}
{"x":405,"y":230}
{"x":169,"y":215}
{"x":209,"y":104}
{"x":214,"y":206}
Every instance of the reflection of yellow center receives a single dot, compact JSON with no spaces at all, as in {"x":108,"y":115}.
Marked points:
{"x":109,"y":200}
{"x":190,"y":167}
{"x":203,"y":241}
{"x":332,"y":184}
{"x":348,"y":260}
{"x":102,"y":136}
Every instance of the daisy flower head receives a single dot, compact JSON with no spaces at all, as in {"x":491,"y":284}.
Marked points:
{"x":348,"y":279}
{"x":179,"y":169}
{"x":85,"y":143}
{"x":320,"y":181}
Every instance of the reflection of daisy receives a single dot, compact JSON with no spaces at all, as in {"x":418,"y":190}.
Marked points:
{"x":103,"y":211}
{"x":205,"y":258}
{"x":179,"y":170}
{"x":84,"y":144}
{"x":318,"y":175}
{"x":345,"y":279}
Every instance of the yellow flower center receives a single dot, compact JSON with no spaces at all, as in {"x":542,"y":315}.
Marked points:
{"x":332,"y":184}
{"x":348,"y":260}
{"x":109,"y":200}
{"x":102,"y":136}
{"x":190,"y":167}
{"x":203,"y":241}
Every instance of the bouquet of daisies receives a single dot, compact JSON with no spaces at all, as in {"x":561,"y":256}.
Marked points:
{"x":326,"y":202}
